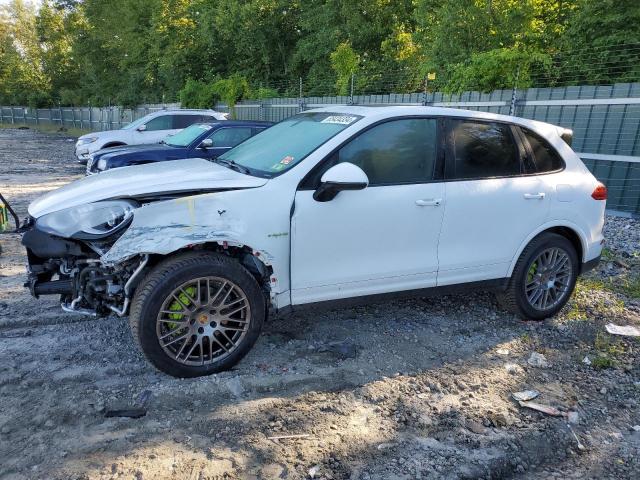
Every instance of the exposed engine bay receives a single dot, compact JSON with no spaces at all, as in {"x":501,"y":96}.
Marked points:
{"x":72,"y":269}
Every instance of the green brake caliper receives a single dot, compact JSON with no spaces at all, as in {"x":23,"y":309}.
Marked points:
{"x":532,"y":271}
{"x":177,"y":307}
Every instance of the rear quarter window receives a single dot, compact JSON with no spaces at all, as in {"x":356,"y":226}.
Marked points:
{"x":545,"y":157}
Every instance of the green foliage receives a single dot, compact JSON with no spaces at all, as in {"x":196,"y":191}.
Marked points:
{"x":631,"y":287}
{"x":344,"y":61}
{"x":231,"y":90}
{"x":197,"y":94}
{"x":608,"y":351}
{"x":262,"y":93}
{"x":146,"y":51}
{"x":495,"y":69}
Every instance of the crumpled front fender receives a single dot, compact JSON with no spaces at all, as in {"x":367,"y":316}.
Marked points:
{"x":167,"y":226}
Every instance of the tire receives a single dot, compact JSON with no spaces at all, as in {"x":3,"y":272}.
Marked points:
{"x":530,"y":277}
{"x":217,"y":329}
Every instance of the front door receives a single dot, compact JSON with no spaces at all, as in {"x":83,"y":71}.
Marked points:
{"x":226,"y":138}
{"x":156,"y":130}
{"x":380,"y":239}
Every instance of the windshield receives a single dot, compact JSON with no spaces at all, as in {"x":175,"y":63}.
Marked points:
{"x":278,"y":148}
{"x":135,"y":123}
{"x":184,"y":137}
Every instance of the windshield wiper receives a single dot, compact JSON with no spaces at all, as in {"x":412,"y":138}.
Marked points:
{"x":233,"y":165}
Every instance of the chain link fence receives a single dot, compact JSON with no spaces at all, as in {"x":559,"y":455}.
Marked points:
{"x":578,"y":91}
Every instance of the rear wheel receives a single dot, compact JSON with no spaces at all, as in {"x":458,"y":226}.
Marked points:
{"x":197,"y":314}
{"x":543,"y":278}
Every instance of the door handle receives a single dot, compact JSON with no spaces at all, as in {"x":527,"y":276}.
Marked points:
{"x":534,"y":196}
{"x":429,"y":202}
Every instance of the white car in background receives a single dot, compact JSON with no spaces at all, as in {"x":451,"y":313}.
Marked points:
{"x":151,"y":128}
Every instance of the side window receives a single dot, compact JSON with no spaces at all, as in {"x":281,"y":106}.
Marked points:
{"x":183,"y":121}
{"x":162,"y":122}
{"x":545,"y":156}
{"x":483,"y":150}
{"x":230,"y":137}
{"x":399,"y":151}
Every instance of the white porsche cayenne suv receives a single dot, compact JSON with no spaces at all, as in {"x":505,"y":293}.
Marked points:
{"x":151,"y":128}
{"x":342,"y":204}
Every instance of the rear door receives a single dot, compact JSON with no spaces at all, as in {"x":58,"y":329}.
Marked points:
{"x":493,"y":202}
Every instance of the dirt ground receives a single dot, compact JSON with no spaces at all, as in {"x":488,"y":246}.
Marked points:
{"x":401,"y":390}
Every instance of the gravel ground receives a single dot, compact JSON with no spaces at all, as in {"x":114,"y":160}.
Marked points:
{"x":400,"y":390}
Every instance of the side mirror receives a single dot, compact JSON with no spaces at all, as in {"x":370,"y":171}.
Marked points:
{"x":141,"y":128}
{"x":206,"y":143}
{"x":344,"y":176}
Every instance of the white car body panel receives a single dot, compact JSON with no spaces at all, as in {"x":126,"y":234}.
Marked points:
{"x":476,"y":243}
{"x":135,"y":137}
{"x":328,"y":245}
{"x":363,"y":242}
{"x":173,"y":176}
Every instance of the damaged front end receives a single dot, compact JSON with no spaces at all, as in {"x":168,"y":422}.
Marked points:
{"x":64,"y":252}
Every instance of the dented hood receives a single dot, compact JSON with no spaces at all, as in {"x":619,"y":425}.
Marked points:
{"x":176,"y":176}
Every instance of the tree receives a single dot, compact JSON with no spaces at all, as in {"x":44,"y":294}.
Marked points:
{"x":344,"y":62}
{"x":22,"y":78}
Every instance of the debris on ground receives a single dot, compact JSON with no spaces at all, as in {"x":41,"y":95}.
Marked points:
{"x":313,"y":471}
{"x":541,"y":408}
{"x":538,"y":360}
{"x":513,"y":368}
{"x":525,"y":395}
{"x":283,"y":437}
{"x":579,"y":443}
{"x":573,"y":417}
{"x":586,"y":360}
{"x":625,"y":330}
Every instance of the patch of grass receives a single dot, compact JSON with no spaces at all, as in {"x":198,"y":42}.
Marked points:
{"x":631,"y":287}
{"x":601,"y":362}
{"x":576,"y":312}
{"x":586,"y":284}
{"x":607,"y":255}
{"x":46,"y":128}
{"x":608,"y":351}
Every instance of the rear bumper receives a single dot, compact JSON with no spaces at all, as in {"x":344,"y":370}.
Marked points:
{"x":590,"y":264}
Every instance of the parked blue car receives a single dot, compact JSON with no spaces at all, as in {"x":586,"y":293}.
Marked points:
{"x":200,"y":140}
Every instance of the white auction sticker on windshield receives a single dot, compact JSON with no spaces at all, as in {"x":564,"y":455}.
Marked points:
{"x":339,"y":119}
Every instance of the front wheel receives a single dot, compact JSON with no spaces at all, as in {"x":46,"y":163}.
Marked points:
{"x":197,"y":314}
{"x":543,"y":279}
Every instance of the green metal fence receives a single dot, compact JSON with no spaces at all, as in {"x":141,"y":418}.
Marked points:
{"x":605,"y":120}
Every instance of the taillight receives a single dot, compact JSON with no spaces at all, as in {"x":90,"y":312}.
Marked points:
{"x":600,"y":192}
